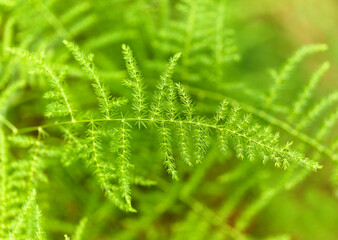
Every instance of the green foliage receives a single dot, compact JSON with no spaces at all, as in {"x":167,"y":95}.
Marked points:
{"x":139,"y":146}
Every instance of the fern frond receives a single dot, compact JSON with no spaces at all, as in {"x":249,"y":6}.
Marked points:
{"x":201,"y":140}
{"x":327,"y":125}
{"x":224,"y":48}
{"x":74,"y":12}
{"x":317,"y":110}
{"x":8,"y":93}
{"x":252,"y":140}
{"x":172,"y":109}
{"x":104,"y":172}
{"x":233,"y":128}
{"x":79,"y":232}
{"x":21,"y":217}
{"x":101,"y":91}
{"x":202,"y":34}
{"x":39,"y":233}
{"x":70,"y":128}
{"x":141,"y":181}
{"x":123,"y":162}
{"x":164,"y":89}
{"x":187,"y":102}
{"x":135,"y":83}
{"x":285,"y":72}
{"x":166,"y":149}
{"x":60,"y":94}
{"x":256,"y":206}
{"x":299,"y":105}
{"x":183,"y":143}
{"x":74,"y":148}
{"x":35,"y":170}
{"x":279,"y":123}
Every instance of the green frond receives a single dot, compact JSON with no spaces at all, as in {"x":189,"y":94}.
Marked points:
{"x":224,"y":48}
{"x":70,"y":126}
{"x":74,"y":147}
{"x":61,"y":105}
{"x":303,"y":98}
{"x":39,"y":234}
{"x":222,"y":111}
{"x":8,"y":94}
{"x":172,"y":108}
{"x":74,"y":12}
{"x":256,"y":206}
{"x":13,"y":189}
{"x":8,"y":34}
{"x":334,"y":145}
{"x":317,"y":110}
{"x":18,"y":223}
{"x":101,"y":91}
{"x":35,"y":170}
{"x":201,"y":140}
{"x":186,"y":101}
{"x":183,"y":143}
{"x":202,"y":33}
{"x":22,"y":140}
{"x":135,"y":83}
{"x":166,"y":150}
{"x":104,"y":171}
{"x":141,"y":181}
{"x":251,"y":141}
{"x":279,"y":77}
{"x":327,"y":126}
{"x":80,"y":229}
{"x":165,"y":88}
{"x":124,"y":164}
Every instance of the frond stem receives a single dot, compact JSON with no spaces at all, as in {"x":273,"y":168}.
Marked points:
{"x":8,"y":124}
{"x":189,"y":122}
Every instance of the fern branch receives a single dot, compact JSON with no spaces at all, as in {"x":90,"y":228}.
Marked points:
{"x":166,"y":150}
{"x":88,"y":65}
{"x":317,"y":110}
{"x":8,"y":124}
{"x":39,"y":234}
{"x":18,"y":222}
{"x":55,"y":80}
{"x":284,"y":74}
{"x":8,"y":93}
{"x":165,"y":82}
{"x":104,"y":178}
{"x":79,"y":232}
{"x":273,"y":120}
{"x":186,"y":100}
{"x":183,"y":142}
{"x":327,"y":126}
{"x":135,"y":83}
{"x":306,"y":94}
{"x":124,"y":163}
{"x":279,"y":151}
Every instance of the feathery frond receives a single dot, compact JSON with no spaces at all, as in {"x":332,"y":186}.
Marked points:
{"x":135,"y":83}
{"x":283,"y":75}
{"x":86,"y":62}
{"x":61,"y":105}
